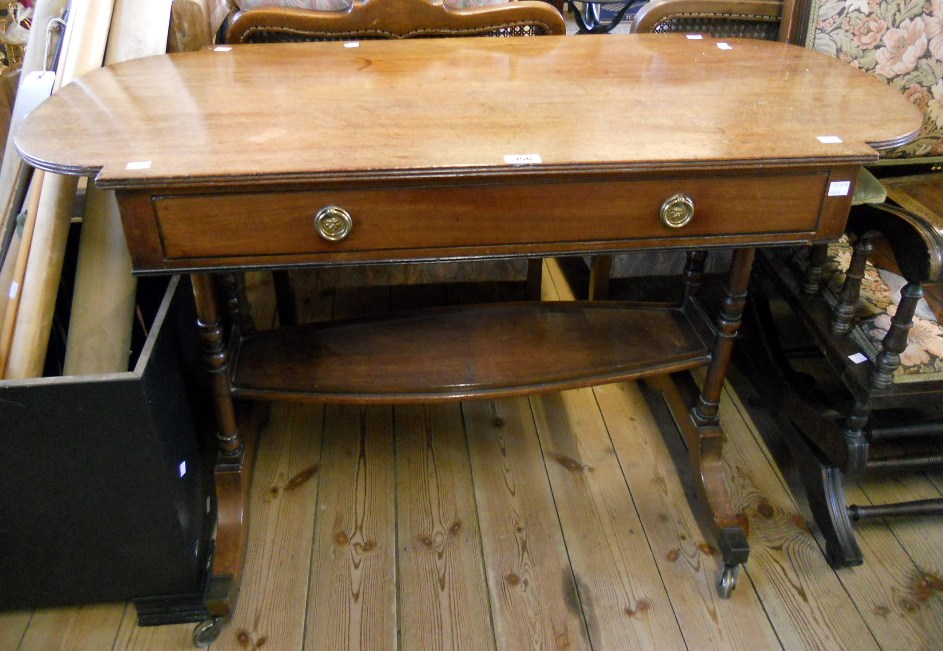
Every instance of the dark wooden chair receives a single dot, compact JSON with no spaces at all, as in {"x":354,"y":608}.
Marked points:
{"x":399,"y":19}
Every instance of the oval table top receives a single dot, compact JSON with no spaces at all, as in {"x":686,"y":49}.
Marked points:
{"x":463,"y":106}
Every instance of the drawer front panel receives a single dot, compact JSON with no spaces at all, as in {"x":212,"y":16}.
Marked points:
{"x":463,"y":218}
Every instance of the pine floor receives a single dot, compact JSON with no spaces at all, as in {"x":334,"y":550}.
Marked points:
{"x":558,"y":521}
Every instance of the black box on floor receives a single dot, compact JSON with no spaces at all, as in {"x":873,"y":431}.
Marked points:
{"x":106,"y":480}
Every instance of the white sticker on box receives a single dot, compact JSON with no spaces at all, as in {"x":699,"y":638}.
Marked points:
{"x":829,"y":140}
{"x":351,"y":44}
{"x":222,"y":48}
{"x":182,"y":468}
{"x":695,"y":37}
{"x":724,"y":46}
{"x":14,"y":289}
{"x":522,"y":159}
{"x":138,"y":165}
{"x":839,"y":188}
{"x":858,"y":358}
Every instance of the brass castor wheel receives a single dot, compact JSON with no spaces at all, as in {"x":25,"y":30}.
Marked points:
{"x":207,"y":631}
{"x":728,"y":580}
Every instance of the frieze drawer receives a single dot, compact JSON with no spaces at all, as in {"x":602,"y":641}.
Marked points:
{"x":350,"y":224}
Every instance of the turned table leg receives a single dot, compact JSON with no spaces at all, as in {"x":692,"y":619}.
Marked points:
{"x":233,"y":463}
{"x":216,"y":363}
{"x":700,"y":423}
{"x":731,"y":523}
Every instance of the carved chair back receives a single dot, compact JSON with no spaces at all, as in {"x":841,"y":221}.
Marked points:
{"x":392,"y":19}
{"x":759,"y":19}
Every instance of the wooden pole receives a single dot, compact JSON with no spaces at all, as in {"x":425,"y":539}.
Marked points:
{"x":12,"y":167}
{"x":83,"y":50}
{"x":100,"y":326}
{"x":19,"y":268}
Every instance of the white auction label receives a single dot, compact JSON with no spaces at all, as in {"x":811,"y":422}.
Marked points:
{"x":839,"y":188}
{"x":522,"y":159}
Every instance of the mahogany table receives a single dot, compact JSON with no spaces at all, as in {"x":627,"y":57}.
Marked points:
{"x":275,"y":156}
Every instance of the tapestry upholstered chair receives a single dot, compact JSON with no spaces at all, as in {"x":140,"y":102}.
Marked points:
{"x":849,"y":354}
{"x":261,"y":21}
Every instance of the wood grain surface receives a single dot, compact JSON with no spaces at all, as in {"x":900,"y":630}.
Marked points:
{"x":449,"y":106}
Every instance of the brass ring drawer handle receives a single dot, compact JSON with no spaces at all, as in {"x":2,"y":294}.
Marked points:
{"x":677,"y":211}
{"x":333,"y":223}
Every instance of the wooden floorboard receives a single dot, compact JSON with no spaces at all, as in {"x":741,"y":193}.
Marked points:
{"x":85,"y":627}
{"x":282,"y":509}
{"x":624,"y":602}
{"x":533,"y":592}
{"x":651,"y":455}
{"x":352,"y":597}
{"x":562,"y":521}
{"x":13,"y":625}
{"x":443,"y":594}
{"x":898,"y":600}
{"x":801,"y":594}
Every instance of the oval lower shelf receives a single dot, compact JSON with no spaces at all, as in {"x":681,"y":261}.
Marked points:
{"x":466,"y":352}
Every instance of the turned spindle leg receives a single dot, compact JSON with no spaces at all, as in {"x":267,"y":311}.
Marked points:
{"x":895,"y":341}
{"x":882,"y":376}
{"x":232,"y":463}
{"x":693,"y":275}
{"x":814,"y":273}
{"x":706,"y":450}
{"x":728,"y":322}
{"x":216,"y":362}
{"x":844,"y":311}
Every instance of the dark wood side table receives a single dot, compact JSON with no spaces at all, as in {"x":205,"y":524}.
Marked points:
{"x":276,"y":156}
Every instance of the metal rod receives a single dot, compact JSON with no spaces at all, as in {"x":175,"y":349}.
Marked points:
{"x":917,"y":507}
{"x":901,"y":462}
{"x":904,"y":431}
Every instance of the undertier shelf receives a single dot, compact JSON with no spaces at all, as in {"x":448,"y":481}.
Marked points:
{"x":480,"y":351}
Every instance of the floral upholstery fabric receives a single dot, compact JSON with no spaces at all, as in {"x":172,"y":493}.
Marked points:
{"x":880,"y":290}
{"x":900,"y":41}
